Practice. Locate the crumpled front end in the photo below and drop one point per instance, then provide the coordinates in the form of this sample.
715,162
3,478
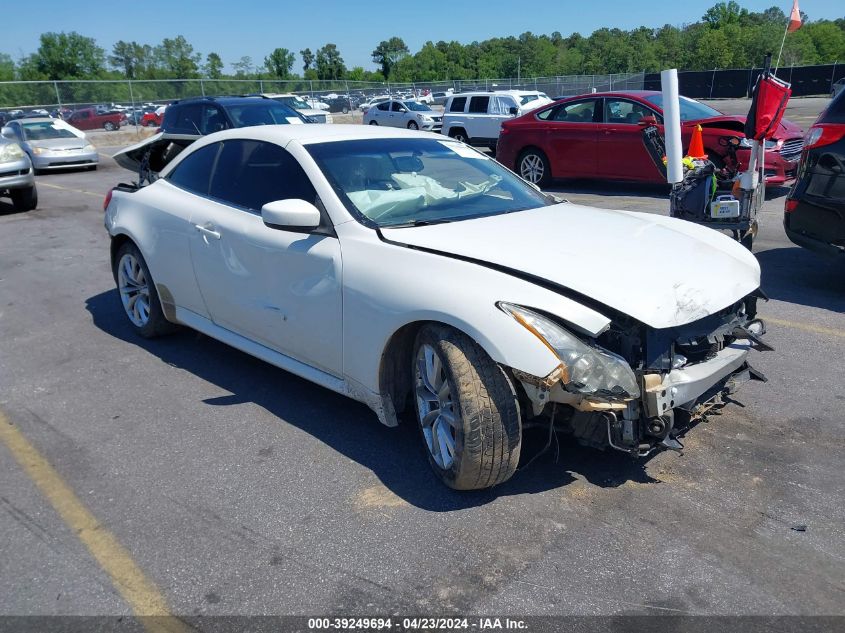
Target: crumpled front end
681,374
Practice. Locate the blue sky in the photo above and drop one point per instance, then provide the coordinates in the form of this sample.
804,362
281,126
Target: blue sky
233,28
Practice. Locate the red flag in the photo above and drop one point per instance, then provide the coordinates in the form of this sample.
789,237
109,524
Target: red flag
794,18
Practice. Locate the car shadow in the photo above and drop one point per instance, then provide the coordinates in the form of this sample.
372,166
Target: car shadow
7,208
403,468
799,276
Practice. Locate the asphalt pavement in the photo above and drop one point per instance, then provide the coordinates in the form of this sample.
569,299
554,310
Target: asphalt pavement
232,487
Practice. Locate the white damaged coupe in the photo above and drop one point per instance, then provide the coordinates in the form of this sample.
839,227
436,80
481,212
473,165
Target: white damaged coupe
415,274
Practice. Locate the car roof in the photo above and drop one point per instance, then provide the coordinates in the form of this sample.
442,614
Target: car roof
315,133
224,101
37,119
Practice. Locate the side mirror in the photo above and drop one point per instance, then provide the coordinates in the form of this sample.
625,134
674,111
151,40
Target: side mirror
7,132
648,120
293,215
513,110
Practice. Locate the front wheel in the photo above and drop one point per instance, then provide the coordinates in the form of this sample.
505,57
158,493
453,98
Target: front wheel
108,126
412,125
534,167
459,135
24,199
467,410
138,293
373,123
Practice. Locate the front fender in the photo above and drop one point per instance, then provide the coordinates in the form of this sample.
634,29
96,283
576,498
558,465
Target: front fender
387,287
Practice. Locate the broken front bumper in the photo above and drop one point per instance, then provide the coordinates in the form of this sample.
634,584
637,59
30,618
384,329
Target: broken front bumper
683,387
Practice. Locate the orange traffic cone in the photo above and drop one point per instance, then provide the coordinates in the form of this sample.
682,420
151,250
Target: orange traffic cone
696,145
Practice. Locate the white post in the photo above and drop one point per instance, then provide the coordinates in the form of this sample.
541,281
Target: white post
672,126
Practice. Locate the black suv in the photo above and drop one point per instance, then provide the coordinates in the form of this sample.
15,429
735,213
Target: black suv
187,120
206,115
815,207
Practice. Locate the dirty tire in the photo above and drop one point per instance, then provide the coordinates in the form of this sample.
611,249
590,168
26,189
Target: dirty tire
488,427
156,324
533,166
24,199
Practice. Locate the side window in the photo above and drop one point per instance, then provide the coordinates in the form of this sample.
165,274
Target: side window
397,107
213,120
577,112
187,120
621,111
194,172
478,105
84,115
458,104
502,105
384,107
249,174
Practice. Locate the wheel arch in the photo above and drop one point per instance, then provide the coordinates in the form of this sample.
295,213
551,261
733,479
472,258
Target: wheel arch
394,376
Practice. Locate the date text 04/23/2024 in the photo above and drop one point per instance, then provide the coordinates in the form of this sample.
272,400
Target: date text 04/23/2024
416,624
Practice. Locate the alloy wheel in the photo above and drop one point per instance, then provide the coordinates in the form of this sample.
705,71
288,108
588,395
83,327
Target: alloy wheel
437,409
531,168
134,290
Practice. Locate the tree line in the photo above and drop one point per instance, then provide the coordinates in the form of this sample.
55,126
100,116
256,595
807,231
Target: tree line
726,36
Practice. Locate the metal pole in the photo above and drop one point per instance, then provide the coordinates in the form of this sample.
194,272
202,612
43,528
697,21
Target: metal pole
712,81
833,75
261,86
132,99
202,87
58,96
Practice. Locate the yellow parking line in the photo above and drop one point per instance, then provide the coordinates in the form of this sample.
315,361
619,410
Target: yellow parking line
806,327
87,193
142,595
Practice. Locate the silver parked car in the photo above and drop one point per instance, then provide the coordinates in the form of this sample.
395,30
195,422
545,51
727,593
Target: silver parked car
17,180
407,114
838,86
52,143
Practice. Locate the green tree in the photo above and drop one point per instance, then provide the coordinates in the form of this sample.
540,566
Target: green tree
69,56
176,57
388,52
243,67
307,59
725,13
329,63
280,63
7,67
213,67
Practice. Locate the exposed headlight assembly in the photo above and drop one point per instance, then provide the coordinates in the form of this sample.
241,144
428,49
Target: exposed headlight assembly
587,368
10,152
89,148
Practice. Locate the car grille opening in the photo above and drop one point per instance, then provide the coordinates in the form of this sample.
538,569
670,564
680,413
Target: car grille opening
791,149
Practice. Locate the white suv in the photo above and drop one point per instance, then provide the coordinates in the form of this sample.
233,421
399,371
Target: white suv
476,117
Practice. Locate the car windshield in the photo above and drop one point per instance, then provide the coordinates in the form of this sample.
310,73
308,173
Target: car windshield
44,130
264,112
416,107
403,182
691,110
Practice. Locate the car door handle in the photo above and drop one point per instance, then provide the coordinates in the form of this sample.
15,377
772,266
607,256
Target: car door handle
208,230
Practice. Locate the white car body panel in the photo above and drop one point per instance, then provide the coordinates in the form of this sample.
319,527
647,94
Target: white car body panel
325,307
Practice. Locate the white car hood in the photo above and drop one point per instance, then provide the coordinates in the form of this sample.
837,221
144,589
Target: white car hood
661,271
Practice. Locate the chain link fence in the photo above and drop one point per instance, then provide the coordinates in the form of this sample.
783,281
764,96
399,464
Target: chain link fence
71,94
50,95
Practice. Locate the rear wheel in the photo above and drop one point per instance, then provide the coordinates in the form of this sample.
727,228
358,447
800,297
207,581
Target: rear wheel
459,134
467,410
138,293
534,167
24,199
108,126
373,123
345,110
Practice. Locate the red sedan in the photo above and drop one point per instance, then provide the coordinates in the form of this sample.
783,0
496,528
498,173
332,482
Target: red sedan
599,135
